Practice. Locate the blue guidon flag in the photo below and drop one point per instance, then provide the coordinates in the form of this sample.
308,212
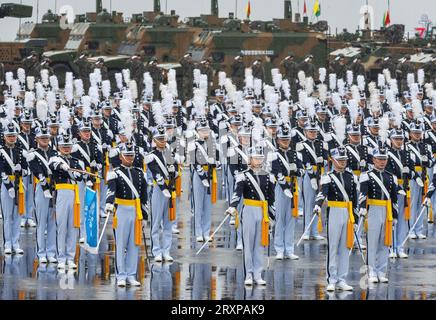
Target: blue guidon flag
91,221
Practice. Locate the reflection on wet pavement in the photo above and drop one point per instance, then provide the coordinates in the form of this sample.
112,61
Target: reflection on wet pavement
216,273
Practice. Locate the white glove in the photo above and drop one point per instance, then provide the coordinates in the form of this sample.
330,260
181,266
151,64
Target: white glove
419,182
166,193
171,169
424,158
427,202
362,163
64,167
317,210
293,167
394,222
205,183
99,166
17,168
231,211
319,160
406,170
11,192
89,184
363,212
76,175
109,208
402,192
47,194
314,184
288,193
93,163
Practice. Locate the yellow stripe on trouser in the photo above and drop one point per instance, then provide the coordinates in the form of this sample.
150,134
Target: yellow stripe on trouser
21,204
295,198
172,211
179,183
350,223
265,220
214,189
137,204
76,210
106,167
388,227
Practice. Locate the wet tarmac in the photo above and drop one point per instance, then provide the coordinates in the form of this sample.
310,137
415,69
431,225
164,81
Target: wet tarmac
215,274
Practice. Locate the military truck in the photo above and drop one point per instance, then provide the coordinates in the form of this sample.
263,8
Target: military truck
11,53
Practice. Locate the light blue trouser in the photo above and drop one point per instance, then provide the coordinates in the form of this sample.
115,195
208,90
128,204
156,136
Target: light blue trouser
161,282
160,218
251,220
431,172
285,223
45,222
103,190
201,275
11,221
415,207
309,203
402,227
126,252
300,194
230,185
202,208
28,196
377,252
82,191
239,230
65,232
337,251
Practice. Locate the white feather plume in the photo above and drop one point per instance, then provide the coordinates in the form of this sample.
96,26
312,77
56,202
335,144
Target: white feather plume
64,118
286,88
30,83
381,81
257,87
126,116
119,80
78,84
156,108
15,88
339,124
284,111
69,92
45,77
353,109
421,76
429,90
51,101
387,75
397,112
29,100
322,74
247,111
21,75
106,89
332,81
9,77
221,78
172,83
42,110
10,108
310,107
197,74
350,78
86,103
133,87
54,83
40,92
384,128
126,76
249,79
410,79
417,109
341,87
337,101
301,77
309,85
94,95
322,92
148,84
355,92
361,82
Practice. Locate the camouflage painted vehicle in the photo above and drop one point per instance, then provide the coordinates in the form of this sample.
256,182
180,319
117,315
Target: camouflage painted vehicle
99,33
272,40
373,46
11,53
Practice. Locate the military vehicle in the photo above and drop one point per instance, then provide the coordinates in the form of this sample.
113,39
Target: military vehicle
11,53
